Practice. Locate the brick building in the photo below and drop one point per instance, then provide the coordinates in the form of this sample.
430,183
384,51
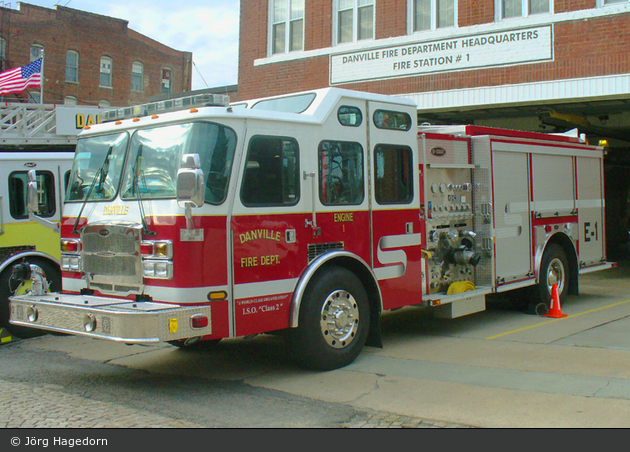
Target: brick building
542,65
89,59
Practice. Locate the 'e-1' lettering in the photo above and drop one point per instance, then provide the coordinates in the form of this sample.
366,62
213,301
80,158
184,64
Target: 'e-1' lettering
589,233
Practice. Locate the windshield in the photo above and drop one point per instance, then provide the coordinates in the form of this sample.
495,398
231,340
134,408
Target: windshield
97,167
155,155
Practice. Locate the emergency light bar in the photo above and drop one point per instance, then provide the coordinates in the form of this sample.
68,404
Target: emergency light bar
164,106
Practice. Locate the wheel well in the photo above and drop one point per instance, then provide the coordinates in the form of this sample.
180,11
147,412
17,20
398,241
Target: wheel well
371,287
568,247
33,259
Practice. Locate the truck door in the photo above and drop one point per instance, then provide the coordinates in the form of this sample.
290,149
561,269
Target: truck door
395,203
16,223
267,226
590,210
512,215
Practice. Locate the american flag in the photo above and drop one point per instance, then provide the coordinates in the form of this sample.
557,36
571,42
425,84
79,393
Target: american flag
18,79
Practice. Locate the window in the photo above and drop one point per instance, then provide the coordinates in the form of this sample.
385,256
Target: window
155,156
106,72
72,66
287,25
137,71
272,172
523,8
394,177
355,20
34,97
349,116
70,100
167,78
37,52
392,120
340,173
18,182
3,54
432,14
289,104
104,104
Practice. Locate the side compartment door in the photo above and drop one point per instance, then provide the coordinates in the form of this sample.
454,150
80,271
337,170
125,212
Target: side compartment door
267,228
590,210
513,246
395,204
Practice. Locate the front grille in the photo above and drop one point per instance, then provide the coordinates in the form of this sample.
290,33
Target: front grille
115,243
111,256
116,265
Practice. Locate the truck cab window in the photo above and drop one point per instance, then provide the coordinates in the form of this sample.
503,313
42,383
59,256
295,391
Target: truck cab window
340,173
392,120
45,194
271,172
394,177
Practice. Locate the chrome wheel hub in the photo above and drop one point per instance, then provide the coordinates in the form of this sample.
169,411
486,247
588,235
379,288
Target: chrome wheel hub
339,319
556,275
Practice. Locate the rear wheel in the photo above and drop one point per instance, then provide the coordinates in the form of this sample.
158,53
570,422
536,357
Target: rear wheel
10,286
554,269
333,322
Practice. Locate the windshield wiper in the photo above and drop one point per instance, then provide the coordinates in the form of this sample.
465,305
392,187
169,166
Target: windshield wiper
101,174
136,188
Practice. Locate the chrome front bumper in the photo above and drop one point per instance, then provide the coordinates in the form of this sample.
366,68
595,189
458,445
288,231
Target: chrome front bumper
108,318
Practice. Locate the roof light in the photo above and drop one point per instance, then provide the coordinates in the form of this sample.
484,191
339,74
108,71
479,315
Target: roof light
164,106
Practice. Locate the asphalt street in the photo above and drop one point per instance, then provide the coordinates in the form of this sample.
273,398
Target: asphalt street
501,368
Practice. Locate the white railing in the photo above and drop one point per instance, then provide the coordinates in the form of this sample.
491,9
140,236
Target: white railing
27,121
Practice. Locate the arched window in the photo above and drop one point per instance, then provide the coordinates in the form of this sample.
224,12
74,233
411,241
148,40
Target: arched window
106,72
137,71
72,66
37,52
167,80
3,54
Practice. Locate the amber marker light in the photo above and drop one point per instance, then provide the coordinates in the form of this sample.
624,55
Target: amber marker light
218,295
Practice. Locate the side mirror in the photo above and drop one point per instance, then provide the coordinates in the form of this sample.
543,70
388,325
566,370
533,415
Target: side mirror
190,186
32,198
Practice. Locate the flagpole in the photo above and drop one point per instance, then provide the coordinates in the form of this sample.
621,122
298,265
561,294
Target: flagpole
41,84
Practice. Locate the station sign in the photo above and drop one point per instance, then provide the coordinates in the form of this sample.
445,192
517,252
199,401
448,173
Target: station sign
499,48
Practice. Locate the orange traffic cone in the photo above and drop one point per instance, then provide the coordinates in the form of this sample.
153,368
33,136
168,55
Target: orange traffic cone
555,311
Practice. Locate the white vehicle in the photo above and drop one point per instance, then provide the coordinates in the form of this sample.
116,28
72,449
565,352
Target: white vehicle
40,138
310,215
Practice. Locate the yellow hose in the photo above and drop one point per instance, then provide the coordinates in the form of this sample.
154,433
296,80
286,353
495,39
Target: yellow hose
459,287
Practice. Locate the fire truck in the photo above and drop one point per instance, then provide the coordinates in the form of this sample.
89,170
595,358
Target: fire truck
40,138
308,215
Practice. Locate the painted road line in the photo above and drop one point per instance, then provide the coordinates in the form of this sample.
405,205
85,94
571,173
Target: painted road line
518,330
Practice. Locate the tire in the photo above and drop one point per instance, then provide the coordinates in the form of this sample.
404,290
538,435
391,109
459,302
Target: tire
554,268
9,286
333,322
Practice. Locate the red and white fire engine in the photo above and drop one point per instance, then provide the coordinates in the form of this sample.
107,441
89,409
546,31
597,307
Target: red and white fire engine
309,214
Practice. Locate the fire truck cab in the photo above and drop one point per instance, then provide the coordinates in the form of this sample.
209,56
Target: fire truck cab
309,214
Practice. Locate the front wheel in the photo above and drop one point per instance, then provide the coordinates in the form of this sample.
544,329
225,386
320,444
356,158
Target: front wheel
554,269
333,322
9,286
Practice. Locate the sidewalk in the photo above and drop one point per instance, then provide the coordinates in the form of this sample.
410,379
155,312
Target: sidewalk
47,406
